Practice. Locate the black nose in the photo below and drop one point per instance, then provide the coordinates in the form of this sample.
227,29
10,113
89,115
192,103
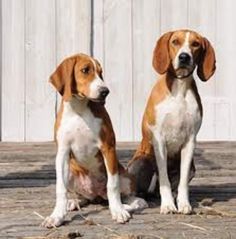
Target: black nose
104,92
184,58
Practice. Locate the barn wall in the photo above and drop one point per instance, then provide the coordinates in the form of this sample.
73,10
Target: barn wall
37,34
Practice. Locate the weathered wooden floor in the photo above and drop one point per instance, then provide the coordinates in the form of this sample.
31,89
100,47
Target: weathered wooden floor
27,185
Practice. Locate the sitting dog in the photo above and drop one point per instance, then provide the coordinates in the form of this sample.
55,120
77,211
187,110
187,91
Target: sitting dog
172,119
86,161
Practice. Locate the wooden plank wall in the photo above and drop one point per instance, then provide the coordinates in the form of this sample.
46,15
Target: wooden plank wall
38,34
125,33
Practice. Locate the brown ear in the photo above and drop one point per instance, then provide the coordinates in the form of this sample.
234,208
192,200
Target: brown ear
161,58
63,78
207,61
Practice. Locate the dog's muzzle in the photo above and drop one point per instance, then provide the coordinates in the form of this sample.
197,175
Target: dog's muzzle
103,93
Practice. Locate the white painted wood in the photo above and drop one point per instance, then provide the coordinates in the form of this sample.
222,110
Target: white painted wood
118,65
98,31
174,14
226,71
72,28
40,61
13,66
146,30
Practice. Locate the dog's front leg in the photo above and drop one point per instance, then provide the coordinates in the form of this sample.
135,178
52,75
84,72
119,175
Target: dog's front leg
167,201
118,211
183,192
62,173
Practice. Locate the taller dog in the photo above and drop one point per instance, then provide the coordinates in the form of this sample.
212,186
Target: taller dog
86,161
173,118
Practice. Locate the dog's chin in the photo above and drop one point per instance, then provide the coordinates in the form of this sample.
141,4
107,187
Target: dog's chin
183,72
98,100
82,96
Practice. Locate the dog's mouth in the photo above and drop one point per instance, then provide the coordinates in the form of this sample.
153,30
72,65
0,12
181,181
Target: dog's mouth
184,71
102,101
82,96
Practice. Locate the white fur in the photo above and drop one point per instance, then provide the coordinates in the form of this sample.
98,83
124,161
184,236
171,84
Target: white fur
186,158
96,84
134,204
184,49
178,121
118,211
94,88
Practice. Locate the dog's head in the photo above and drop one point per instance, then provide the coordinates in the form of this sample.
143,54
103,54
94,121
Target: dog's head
80,76
181,51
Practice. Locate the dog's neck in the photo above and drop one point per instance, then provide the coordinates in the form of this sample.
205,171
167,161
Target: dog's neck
179,86
77,104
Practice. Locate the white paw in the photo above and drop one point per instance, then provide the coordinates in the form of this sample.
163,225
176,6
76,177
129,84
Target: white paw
120,214
184,207
138,204
72,205
168,208
52,221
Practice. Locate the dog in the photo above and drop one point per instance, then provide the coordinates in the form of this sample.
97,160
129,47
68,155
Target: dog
86,160
172,119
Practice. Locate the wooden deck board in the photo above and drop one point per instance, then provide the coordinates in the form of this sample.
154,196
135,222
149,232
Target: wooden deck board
27,183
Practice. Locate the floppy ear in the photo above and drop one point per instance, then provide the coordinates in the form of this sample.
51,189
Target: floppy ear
207,61
63,78
161,58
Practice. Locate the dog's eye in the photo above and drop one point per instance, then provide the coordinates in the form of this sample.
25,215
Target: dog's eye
85,70
195,44
175,42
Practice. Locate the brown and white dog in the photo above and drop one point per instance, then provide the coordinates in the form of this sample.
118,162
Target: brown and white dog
173,118
86,161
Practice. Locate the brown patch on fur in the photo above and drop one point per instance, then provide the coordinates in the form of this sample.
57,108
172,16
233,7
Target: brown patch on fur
195,91
161,57
207,61
107,136
158,94
58,120
63,78
75,168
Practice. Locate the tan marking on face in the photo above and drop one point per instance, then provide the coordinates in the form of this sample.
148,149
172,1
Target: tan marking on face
168,46
75,75
87,70
185,41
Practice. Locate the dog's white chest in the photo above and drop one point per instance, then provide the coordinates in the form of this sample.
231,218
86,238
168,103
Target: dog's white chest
80,132
178,118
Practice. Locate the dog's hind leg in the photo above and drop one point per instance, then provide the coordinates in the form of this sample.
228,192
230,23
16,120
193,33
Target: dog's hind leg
144,170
